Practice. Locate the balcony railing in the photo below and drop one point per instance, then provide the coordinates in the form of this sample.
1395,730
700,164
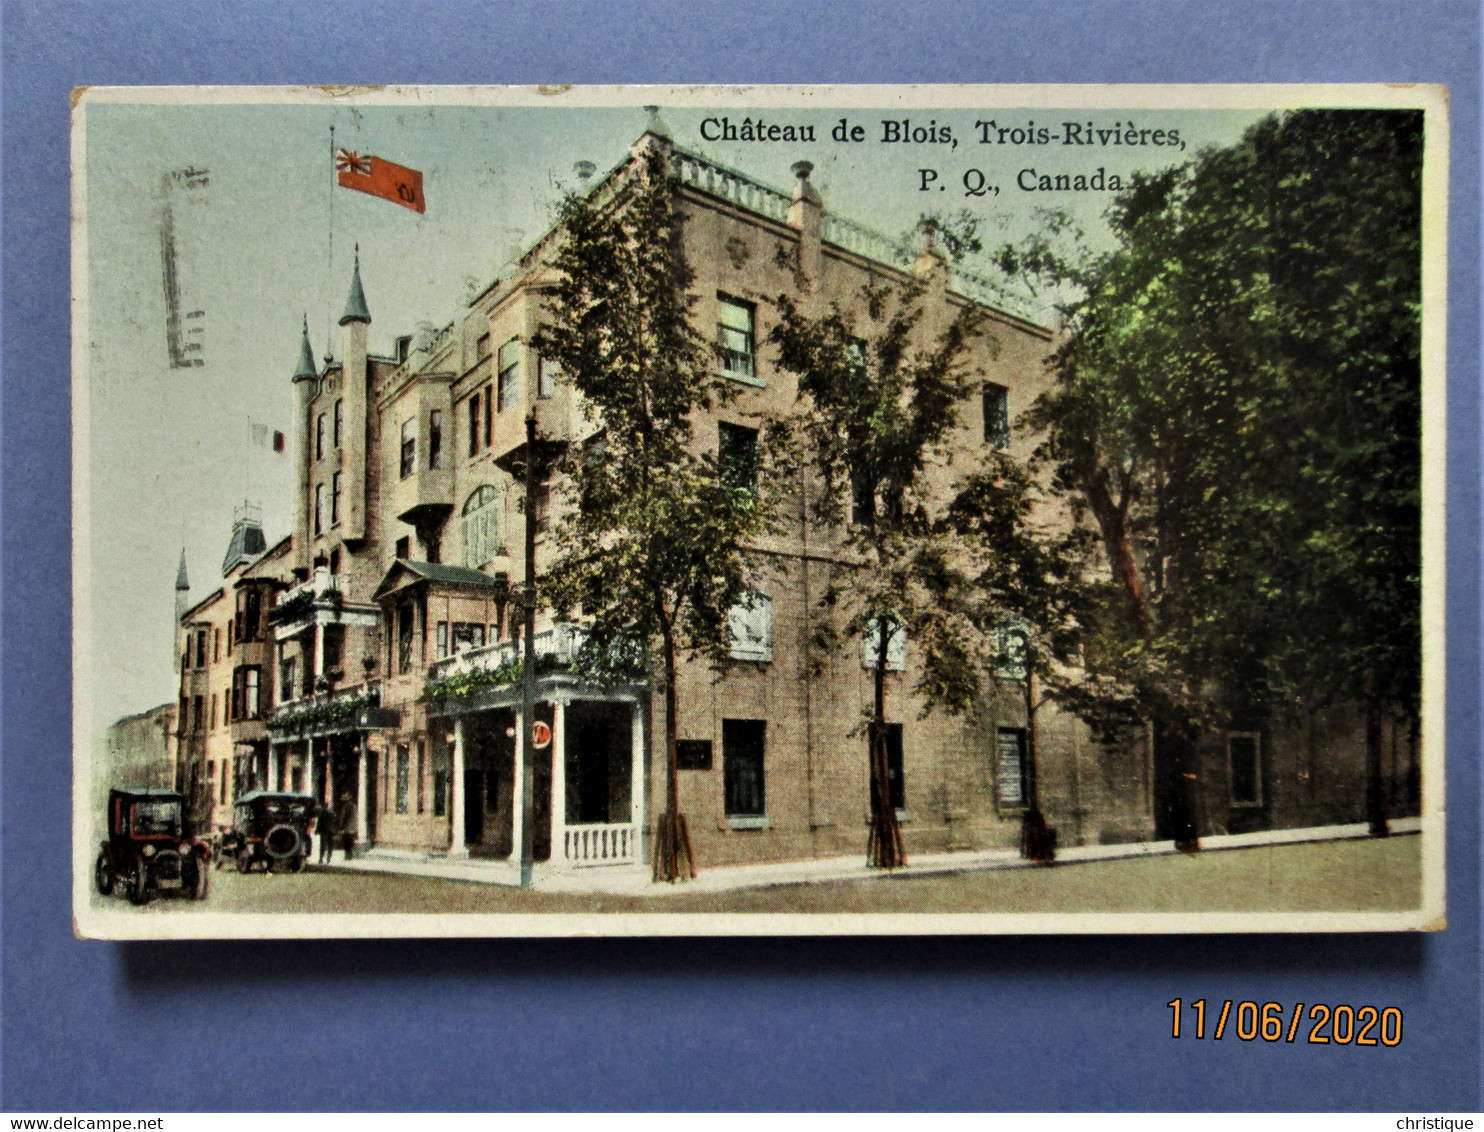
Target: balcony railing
357,707
320,583
587,845
560,642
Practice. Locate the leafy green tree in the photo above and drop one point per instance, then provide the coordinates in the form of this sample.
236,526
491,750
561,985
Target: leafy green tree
878,402
1236,410
651,547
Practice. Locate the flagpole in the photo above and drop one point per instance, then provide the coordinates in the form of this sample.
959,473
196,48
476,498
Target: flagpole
330,257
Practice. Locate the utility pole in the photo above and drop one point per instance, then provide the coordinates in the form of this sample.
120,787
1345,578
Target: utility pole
528,669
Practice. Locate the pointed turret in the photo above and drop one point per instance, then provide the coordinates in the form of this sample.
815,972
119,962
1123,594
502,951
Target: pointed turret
182,588
355,370
305,370
355,305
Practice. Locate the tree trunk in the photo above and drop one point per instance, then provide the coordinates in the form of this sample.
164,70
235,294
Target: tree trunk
884,848
673,858
1037,840
1177,779
1176,751
1375,796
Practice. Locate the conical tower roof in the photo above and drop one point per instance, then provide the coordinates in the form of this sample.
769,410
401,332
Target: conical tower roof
181,582
305,370
355,305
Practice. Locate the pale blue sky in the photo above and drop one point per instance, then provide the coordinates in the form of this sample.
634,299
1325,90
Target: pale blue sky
169,451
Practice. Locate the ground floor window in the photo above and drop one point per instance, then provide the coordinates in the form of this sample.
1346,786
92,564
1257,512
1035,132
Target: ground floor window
403,771
422,772
743,742
1012,766
1244,764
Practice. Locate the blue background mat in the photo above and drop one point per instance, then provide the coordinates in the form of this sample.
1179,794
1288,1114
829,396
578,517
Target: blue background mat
718,1024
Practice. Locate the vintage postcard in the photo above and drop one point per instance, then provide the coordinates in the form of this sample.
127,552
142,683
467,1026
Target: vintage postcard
758,510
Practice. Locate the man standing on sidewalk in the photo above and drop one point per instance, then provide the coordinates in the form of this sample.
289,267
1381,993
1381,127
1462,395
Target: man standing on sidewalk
325,827
345,822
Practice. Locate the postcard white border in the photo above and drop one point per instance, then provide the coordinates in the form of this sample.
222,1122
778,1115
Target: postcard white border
118,923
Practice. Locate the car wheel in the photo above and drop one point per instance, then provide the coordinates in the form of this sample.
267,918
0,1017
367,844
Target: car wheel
199,879
244,861
139,883
103,875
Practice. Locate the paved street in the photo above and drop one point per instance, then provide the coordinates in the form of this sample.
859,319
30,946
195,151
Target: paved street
1361,875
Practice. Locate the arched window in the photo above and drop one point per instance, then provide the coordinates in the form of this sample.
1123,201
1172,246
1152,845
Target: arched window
482,527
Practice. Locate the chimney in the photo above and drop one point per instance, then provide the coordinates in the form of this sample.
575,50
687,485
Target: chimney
656,135
931,265
806,214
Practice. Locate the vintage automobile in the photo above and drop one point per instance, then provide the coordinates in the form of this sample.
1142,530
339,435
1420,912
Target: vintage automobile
149,848
272,828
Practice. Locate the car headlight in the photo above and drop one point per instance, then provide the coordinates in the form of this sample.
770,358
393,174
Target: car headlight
149,850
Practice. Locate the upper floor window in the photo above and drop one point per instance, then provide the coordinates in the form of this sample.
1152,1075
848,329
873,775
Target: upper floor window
737,457
409,447
542,515
435,438
216,645
474,425
336,490
467,635
483,347
339,422
249,614
751,626
286,672
737,338
996,415
319,508
1011,647
508,381
482,527
404,638
548,373
489,414
246,693
319,437
404,547
896,645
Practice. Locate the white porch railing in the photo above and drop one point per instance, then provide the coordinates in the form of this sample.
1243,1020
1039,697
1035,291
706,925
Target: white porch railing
587,845
561,641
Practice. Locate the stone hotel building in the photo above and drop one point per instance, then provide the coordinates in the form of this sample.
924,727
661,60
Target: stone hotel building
315,666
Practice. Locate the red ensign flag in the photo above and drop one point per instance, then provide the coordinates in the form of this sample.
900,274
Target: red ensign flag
381,178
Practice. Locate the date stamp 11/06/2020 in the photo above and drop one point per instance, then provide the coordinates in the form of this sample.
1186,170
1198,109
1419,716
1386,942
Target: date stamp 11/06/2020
1339,1024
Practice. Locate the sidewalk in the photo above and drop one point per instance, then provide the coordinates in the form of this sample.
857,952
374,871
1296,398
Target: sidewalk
634,880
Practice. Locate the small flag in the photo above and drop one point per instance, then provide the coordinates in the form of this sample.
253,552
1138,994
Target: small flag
277,441
380,178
